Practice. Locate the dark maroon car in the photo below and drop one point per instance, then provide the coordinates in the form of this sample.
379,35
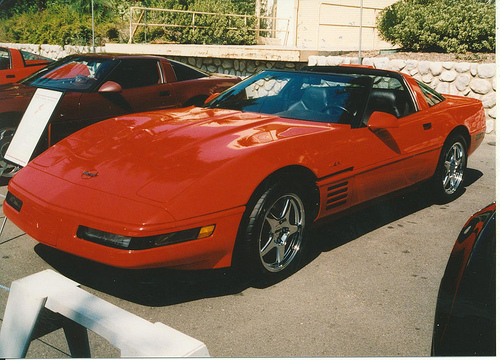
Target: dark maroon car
465,321
97,87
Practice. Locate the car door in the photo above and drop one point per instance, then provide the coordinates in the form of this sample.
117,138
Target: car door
7,74
394,157
143,88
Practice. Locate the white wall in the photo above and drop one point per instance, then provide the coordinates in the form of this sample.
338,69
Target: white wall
334,24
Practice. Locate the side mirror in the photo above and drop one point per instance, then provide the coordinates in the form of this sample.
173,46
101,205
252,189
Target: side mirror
110,87
211,97
382,120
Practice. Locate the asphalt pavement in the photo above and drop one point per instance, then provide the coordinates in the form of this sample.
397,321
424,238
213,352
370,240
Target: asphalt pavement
368,286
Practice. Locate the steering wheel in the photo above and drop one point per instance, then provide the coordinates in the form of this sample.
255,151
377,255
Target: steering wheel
80,79
343,109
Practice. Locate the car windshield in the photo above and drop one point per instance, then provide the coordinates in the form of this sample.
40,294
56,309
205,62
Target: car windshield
332,98
76,73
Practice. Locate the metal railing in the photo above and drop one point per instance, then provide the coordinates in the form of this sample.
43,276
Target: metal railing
139,17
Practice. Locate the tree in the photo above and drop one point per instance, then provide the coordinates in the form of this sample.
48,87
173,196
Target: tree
439,25
11,7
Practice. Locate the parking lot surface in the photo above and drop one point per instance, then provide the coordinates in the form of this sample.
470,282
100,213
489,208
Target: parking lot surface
368,286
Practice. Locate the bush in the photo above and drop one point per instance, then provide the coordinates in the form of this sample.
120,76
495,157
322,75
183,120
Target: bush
453,26
65,22
58,25
210,29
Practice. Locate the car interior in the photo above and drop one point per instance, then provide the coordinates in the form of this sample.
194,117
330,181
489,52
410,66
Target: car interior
391,101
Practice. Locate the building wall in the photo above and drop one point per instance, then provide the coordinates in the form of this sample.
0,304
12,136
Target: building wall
334,24
287,9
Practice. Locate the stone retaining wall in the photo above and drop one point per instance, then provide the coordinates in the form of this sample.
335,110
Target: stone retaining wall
239,67
53,51
456,78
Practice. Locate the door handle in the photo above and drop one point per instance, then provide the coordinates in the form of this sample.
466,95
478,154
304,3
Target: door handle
11,76
165,93
427,126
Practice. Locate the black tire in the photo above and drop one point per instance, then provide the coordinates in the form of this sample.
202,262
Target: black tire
272,233
448,180
7,130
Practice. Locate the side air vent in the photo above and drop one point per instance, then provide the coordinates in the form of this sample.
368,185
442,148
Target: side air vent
337,195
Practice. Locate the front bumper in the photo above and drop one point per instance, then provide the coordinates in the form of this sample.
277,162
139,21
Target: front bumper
57,227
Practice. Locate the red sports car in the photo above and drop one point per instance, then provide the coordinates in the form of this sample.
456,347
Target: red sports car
17,64
240,180
97,87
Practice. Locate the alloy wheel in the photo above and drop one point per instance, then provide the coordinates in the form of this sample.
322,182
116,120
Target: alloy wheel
282,232
454,167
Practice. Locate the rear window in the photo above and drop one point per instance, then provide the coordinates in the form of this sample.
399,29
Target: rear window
431,96
31,59
134,73
185,72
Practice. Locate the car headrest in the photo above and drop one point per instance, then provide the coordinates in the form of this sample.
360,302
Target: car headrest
315,98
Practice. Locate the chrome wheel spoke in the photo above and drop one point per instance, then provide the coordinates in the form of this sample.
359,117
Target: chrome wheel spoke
446,181
447,166
270,244
293,229
280,255
287,209
272,221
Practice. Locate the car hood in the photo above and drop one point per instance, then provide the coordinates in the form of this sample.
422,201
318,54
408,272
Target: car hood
15,91
157,155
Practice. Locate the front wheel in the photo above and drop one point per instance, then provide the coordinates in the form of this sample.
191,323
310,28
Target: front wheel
449,178
272,235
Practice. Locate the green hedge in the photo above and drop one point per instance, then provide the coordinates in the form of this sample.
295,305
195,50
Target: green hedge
453,26
58,25
62,24
210,29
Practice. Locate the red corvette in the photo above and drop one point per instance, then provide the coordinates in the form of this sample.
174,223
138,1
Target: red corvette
239,180
17,64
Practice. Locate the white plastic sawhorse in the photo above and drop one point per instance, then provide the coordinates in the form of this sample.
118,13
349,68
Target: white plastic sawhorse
131,334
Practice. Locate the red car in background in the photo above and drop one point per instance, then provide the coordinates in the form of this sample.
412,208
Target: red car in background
97,87
16,64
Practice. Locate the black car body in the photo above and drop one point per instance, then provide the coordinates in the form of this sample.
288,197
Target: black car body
465,311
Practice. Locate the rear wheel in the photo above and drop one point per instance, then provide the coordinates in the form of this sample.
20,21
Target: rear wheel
449,178
272,232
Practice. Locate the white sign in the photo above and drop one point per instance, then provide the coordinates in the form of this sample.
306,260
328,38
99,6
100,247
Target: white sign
32,125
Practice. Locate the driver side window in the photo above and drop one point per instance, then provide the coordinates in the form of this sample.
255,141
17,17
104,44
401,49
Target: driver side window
135,73
4,59
390,96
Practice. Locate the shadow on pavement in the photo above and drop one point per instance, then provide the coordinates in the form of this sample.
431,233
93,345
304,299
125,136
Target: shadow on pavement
162,287
151,287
